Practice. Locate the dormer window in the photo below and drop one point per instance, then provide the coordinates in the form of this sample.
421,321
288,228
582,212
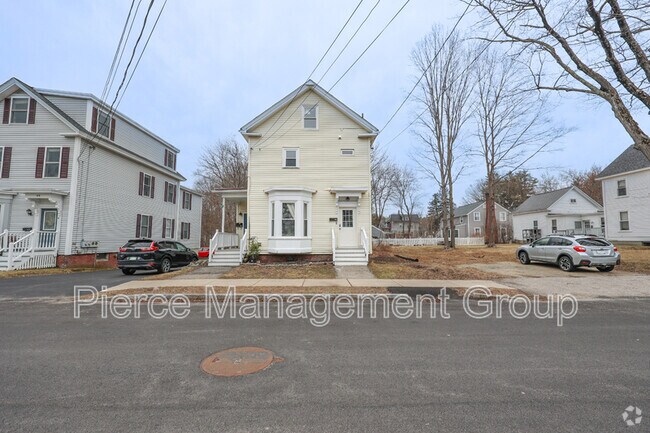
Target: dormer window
103,124
19,108
310,116
170,159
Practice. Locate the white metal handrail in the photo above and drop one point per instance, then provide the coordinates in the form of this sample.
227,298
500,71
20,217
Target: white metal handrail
243,246
333,246
20,248
364,242
7,237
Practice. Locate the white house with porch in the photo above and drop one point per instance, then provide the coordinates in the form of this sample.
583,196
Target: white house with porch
76,183
308,194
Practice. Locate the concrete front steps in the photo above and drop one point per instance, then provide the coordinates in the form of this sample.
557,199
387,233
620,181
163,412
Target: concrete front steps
350,257
225,258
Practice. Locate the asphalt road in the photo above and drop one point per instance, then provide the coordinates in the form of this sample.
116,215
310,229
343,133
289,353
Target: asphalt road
61,374
62,284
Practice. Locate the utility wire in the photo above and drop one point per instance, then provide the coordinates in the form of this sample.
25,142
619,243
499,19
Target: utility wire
337,81
316,67
433,59
141,53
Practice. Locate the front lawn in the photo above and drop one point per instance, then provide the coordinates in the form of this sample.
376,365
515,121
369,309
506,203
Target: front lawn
635,259
277,271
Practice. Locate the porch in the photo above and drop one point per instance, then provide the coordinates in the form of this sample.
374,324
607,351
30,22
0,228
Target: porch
229,248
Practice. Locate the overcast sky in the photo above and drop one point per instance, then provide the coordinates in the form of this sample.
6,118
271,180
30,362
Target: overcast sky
211,66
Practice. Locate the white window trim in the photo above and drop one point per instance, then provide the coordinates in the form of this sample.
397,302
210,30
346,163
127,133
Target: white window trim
45,162
624,195
149,228
173,159
304,110
2,156
170,187
184,226
11,110
189,201
622,220
347,150
477,216
168,227
503,216
144,176
108,135
284,157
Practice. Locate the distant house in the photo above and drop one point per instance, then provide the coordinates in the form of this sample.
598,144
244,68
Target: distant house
470,221
76,183
398,225
626,197
565,211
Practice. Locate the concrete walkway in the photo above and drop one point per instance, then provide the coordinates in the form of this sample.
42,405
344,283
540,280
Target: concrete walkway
346,282
354,272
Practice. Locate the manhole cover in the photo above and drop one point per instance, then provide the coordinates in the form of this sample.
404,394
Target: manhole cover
238,361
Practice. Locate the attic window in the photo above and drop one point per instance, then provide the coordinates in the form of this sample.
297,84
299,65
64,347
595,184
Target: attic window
573,200
310,116
19,107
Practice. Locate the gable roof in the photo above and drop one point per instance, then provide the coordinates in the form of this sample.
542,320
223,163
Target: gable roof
397,218
631,159
541,202
302,89
466,209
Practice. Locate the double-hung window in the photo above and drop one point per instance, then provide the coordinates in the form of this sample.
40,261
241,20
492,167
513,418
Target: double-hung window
305,222
185,230
144,226
103,124
52,164
288,219
170,192
310,116
477,216
168,228
621,189
187,200
290,158
503,217
19,109
146,185
624,219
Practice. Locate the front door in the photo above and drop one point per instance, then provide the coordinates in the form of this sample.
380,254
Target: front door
348,227
48,226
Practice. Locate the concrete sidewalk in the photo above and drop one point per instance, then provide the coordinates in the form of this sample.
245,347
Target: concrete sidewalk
375,282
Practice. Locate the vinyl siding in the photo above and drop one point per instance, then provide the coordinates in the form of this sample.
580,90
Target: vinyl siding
321,167
190,216
76,108
109,204
636,203
582,206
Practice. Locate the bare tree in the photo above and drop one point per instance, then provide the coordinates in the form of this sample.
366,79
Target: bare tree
223,165
512,126
445,92
407,195
597,48
382,183
586,181
548,182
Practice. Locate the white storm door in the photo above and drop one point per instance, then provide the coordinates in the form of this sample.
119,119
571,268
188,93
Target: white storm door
348,227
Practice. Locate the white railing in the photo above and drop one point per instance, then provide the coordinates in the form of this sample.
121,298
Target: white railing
7,237
243,246
222,241
21,248
413,242
28,250
365,242
333,246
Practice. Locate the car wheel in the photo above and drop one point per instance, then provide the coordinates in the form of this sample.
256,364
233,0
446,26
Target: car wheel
523,258
605,268
566,264
165,265
128,271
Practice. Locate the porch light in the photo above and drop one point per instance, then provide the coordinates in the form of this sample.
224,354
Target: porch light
29,212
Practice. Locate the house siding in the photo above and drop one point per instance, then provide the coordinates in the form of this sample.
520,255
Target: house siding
636,203
321,167
190,216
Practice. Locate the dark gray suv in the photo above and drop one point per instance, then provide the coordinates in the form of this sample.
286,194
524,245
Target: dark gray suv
570,252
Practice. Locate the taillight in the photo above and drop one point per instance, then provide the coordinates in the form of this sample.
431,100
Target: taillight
580,249
122,249
615,249
151,248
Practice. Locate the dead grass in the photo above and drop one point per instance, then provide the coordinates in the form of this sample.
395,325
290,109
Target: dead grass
635,259
48,271
200,290
177,272
435,262
282,271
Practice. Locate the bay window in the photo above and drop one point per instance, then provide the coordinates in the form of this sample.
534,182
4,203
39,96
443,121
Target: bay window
289,220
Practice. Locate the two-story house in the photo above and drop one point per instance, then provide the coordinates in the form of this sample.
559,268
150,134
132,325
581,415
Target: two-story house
626,197
469,221
308,194
401,225
76,183
563,211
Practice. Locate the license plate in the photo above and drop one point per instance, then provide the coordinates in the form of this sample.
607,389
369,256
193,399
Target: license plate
133,258
601,252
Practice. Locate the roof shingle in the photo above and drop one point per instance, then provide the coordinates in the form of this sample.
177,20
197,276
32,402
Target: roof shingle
630,160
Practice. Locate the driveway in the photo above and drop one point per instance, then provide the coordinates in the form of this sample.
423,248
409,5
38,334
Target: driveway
584,283
363,375
62,284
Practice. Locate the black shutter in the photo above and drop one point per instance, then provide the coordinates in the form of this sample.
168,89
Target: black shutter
138,221
173,227
5,115
40,158
150,225
65,161
153,185
166,189
93,127
32,112
112,129
141,186
6,162
164,227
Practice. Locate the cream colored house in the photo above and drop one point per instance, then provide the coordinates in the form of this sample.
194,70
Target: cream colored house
308,195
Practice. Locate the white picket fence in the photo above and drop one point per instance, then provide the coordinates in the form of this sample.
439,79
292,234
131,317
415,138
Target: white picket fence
416,242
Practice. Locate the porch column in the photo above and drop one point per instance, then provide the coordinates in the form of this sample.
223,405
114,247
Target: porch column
223,214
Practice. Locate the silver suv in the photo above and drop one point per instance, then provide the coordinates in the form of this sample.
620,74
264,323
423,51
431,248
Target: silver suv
569,252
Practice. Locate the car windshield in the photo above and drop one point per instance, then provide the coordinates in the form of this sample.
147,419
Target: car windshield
138,244
593,242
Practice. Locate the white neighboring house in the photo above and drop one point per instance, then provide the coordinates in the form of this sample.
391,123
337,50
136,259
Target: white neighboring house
564,211
308,195
75,184
626,197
